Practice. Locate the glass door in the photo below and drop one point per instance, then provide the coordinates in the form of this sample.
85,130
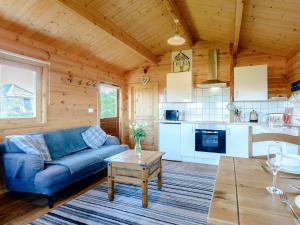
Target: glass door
109,109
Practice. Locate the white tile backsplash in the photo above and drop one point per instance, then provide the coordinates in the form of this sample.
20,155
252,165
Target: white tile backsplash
211,105
263,108
208,104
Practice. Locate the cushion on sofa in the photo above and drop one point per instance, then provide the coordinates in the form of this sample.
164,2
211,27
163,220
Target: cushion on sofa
107,151
64,142
60,175
32,144
88,157
112,140
94,137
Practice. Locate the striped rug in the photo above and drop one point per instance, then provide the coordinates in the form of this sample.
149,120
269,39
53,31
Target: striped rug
184,199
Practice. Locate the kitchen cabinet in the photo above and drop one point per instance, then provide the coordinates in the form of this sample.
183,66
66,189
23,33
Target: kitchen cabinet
179,87
237,140
170,140
187,140
251,83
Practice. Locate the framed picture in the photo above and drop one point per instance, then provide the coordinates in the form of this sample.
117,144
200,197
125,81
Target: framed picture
182,61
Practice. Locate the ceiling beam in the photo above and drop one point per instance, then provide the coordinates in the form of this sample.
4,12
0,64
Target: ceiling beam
102,22
174,12
237,24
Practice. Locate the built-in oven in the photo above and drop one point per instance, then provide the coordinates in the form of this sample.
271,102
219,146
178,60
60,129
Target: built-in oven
210,140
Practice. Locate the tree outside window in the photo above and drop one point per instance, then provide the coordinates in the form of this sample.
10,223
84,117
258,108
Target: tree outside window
108,101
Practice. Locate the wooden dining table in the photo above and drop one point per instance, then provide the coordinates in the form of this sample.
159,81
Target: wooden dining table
240,196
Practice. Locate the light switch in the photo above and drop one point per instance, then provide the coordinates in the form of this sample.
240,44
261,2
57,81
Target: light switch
90,110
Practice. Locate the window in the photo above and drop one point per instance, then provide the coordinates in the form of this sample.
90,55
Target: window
108,101
17,91
22,91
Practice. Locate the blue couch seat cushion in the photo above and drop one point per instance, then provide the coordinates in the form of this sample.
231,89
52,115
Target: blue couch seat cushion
64,142
80,160
107,151
61,175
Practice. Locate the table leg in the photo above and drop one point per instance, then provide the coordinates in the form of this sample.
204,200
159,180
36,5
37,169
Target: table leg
159,176
145,194
110,183
145,188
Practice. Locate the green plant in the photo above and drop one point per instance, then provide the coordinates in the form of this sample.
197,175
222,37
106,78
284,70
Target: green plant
138,131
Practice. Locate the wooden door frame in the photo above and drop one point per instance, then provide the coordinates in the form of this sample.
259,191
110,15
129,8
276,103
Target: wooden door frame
131,104
118,107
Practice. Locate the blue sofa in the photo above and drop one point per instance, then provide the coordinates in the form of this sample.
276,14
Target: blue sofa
72,161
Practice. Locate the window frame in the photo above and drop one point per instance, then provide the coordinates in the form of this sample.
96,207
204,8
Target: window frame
117,88
41,95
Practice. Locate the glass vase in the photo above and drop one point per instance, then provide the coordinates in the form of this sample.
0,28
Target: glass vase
138,147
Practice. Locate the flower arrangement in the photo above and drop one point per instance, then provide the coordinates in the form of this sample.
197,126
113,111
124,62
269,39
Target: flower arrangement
138,131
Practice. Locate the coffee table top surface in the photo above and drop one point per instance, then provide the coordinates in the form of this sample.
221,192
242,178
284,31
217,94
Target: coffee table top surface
129,157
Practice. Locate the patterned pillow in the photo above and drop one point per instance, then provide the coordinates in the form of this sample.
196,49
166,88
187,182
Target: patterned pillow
94,137
32,144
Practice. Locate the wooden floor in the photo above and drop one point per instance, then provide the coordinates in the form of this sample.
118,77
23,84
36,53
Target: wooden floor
16,208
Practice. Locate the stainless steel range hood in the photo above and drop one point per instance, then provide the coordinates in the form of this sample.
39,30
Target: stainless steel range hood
213,80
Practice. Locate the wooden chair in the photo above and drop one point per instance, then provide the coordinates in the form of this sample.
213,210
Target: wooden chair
292,139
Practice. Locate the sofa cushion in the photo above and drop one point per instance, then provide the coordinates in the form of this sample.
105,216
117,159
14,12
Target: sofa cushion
88,157
64,142
94,137
32,144
79,160
112,140
107,151
60,176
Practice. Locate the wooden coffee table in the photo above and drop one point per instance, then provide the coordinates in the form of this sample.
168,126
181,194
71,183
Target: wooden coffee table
126,167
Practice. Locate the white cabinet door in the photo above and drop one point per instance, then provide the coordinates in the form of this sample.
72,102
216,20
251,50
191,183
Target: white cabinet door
187,140
237,140
170,140
251,83
179,87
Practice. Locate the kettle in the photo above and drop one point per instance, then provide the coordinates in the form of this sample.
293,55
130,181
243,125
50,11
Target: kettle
253,117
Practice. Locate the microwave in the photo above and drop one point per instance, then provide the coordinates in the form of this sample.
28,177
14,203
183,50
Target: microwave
174,115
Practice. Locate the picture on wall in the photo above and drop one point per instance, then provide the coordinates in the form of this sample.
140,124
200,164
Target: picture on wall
181,61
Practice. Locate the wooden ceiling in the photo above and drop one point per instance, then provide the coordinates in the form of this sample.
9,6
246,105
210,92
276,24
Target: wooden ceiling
271,26
126,33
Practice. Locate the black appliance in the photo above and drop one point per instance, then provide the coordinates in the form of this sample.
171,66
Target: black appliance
172,115
210,140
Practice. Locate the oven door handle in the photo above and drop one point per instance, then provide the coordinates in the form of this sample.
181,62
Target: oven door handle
210,132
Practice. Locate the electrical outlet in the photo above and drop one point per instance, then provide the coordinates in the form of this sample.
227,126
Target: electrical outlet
90,110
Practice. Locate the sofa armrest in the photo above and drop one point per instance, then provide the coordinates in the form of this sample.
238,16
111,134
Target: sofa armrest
22,166
112,140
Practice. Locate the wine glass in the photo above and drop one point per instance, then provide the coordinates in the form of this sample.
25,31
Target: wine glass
274,162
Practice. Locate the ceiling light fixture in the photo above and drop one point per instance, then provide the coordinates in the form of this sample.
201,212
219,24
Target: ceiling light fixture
176,39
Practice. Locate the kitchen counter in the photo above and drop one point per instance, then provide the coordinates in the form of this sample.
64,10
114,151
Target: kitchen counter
286,128
232,123
177,138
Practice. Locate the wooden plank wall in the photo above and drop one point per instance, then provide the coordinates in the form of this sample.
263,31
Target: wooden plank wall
157,73
293,69
277,69
68,104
